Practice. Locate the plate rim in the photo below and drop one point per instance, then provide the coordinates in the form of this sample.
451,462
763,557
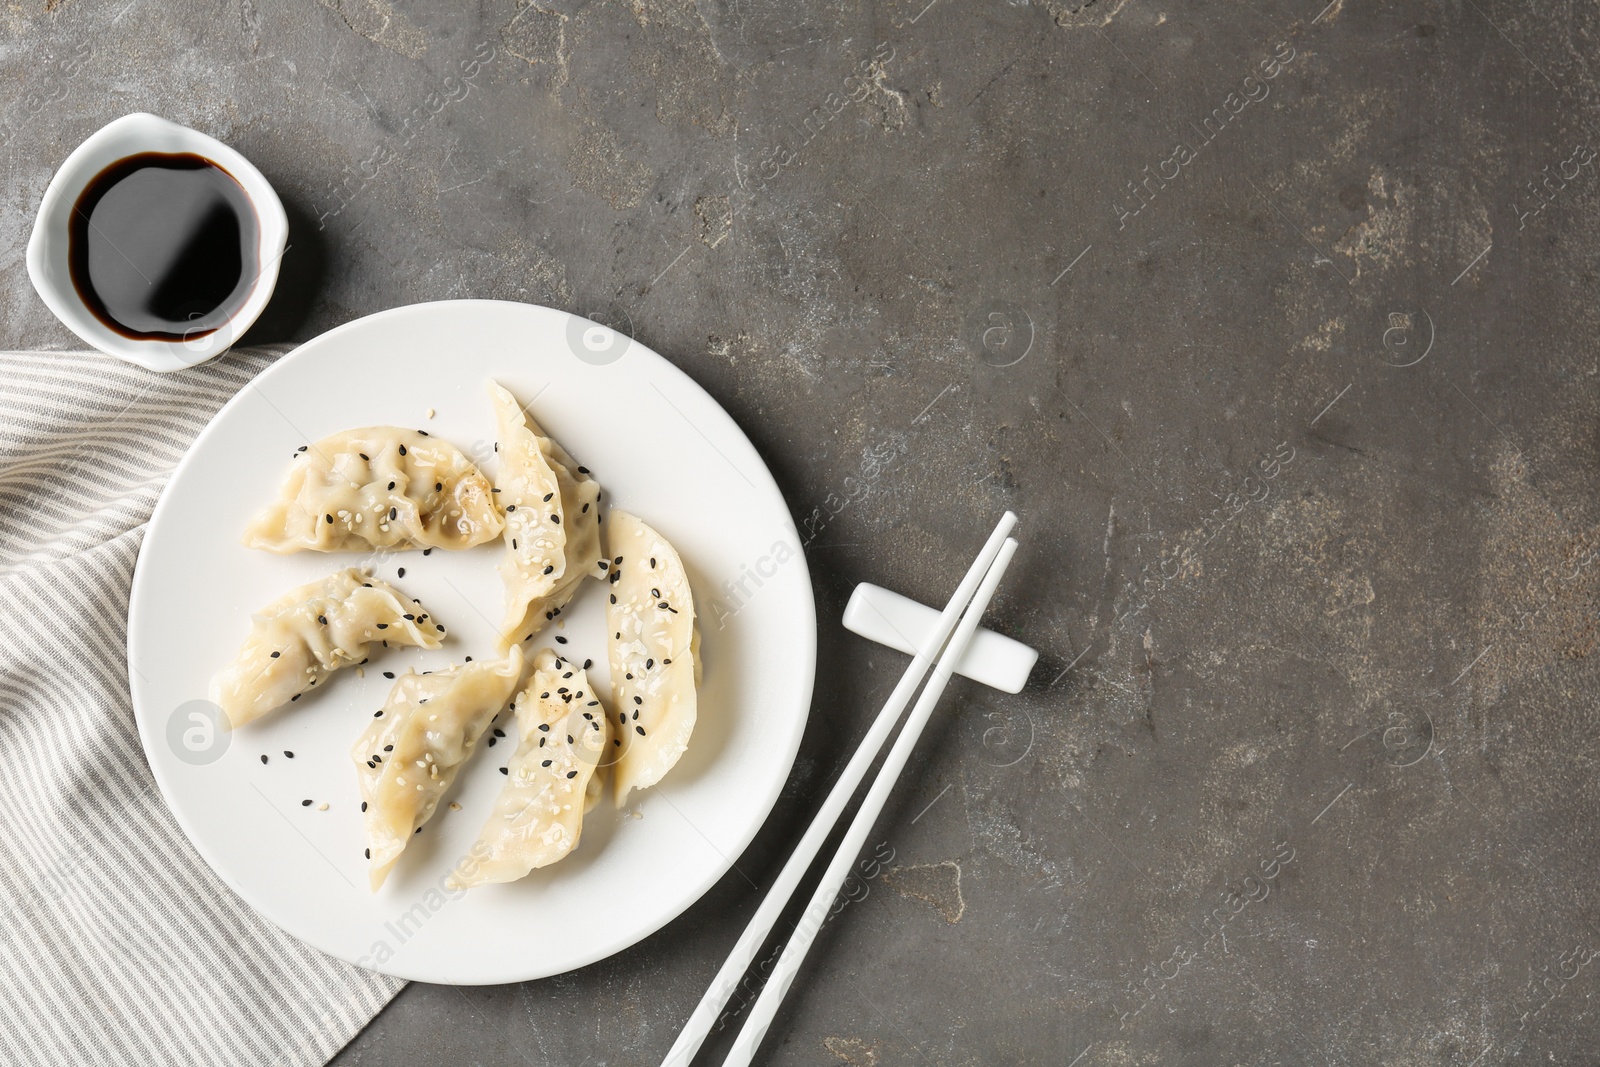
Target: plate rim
766,485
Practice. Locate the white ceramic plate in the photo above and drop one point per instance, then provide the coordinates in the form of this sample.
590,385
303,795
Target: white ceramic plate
661,448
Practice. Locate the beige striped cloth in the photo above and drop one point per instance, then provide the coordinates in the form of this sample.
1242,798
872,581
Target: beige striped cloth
117,944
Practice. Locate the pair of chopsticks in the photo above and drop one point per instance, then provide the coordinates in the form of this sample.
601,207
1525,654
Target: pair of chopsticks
948,642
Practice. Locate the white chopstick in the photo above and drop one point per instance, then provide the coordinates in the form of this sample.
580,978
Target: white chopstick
794,953
744,951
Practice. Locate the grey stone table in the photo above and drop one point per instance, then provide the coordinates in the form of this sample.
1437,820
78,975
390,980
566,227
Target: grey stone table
1276,323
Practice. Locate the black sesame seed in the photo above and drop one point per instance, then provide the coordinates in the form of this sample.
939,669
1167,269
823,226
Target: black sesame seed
560,640
638,700
402,572
640,729
367,852
427,552
583,470
418,830
305,803
504,771
613,598
364,456
263,757
547,497
378,714
586,509
652,563
302,448
363,805
556,519
588,663
549,569
323,619
402,450
649,663
544,726
388,748
391,485
438,487
572,774
409,618
491,742
388,674
425,433
394,513
275,655
545,763
329,518
383,626
294,698
511,507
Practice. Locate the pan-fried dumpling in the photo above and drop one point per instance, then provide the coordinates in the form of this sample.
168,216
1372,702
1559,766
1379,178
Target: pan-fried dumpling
308,633
409,754
378,487
552,522
555,777
654,653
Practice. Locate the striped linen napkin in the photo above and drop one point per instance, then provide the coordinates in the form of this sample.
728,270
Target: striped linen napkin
118,945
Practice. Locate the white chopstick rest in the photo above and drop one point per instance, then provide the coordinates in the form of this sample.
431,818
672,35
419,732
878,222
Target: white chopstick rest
755,933
794,953
901,623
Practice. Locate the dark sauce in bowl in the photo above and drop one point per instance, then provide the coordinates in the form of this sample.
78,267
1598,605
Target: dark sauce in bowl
163,246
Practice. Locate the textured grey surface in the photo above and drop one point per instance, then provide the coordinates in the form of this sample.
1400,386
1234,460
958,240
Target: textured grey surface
1304,444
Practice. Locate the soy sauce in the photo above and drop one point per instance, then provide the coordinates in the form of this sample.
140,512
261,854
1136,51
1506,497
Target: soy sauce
163,246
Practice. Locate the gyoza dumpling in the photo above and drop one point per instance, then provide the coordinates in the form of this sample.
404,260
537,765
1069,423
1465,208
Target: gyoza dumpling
552,522
553,779
411,750
654,649
378,487
308,633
